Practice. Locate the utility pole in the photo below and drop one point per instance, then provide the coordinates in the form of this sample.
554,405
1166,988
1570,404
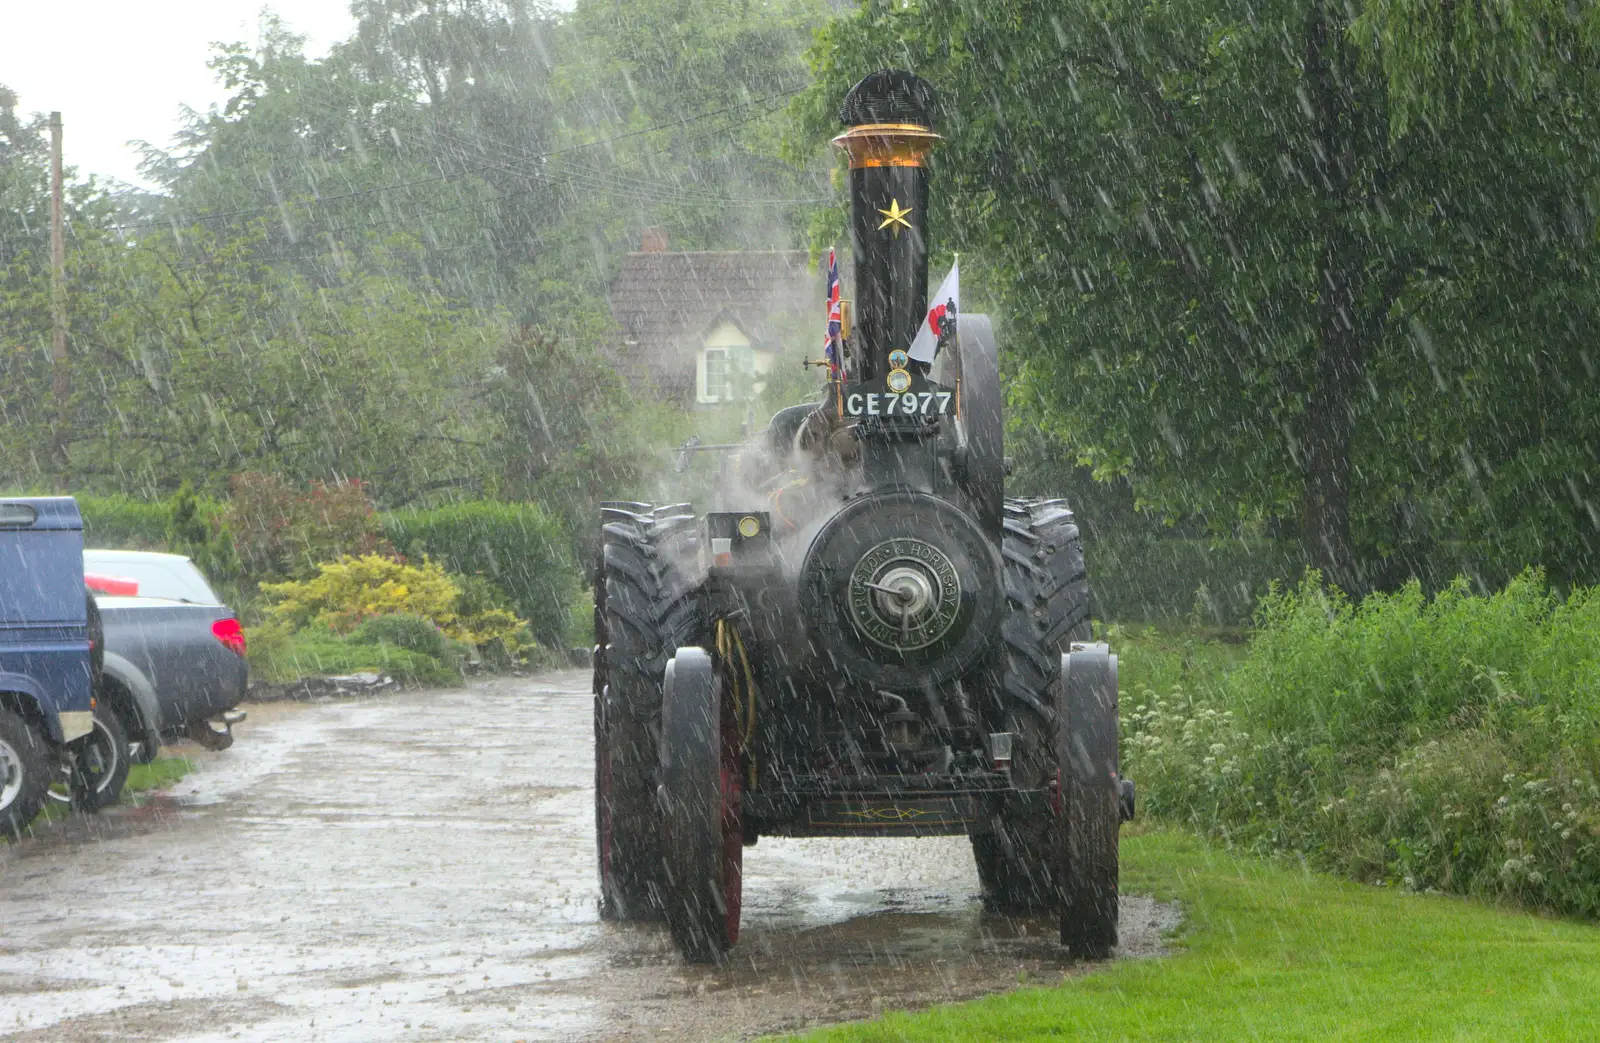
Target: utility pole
61,377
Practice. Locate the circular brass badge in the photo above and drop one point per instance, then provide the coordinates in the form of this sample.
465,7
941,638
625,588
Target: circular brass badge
904,594
899,380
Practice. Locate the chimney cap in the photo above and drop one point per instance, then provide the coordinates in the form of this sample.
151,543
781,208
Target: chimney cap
889,96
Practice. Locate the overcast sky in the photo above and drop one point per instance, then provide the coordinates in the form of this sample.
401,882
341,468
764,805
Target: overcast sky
118,70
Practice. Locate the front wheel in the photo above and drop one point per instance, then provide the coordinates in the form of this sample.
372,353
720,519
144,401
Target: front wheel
24,773
1047,609
1090,806
702,817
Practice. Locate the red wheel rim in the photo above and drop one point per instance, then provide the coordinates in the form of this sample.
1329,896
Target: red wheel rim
732,821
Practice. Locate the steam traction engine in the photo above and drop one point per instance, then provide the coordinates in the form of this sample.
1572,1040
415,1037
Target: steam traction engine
877,641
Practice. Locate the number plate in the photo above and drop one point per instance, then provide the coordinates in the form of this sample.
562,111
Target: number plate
873,398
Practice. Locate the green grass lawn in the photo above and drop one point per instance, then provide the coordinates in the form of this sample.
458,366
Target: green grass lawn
1161,655
1275,953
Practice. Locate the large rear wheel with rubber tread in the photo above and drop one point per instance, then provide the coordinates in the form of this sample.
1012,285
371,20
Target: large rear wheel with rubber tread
981,462
702,822
1091,801
1047,608
645,607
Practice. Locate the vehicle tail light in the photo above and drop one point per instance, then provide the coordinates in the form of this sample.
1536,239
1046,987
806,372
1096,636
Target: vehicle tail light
230,633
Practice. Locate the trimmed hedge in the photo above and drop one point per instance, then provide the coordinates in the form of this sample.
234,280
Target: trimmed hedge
123,523
181,524
518,547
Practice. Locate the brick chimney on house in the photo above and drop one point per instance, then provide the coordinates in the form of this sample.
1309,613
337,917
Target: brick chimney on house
653,240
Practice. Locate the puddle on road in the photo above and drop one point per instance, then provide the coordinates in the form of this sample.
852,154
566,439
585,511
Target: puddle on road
421,867
820,943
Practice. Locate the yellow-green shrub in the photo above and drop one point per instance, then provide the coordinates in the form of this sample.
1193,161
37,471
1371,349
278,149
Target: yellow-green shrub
348,592
345,593
491,625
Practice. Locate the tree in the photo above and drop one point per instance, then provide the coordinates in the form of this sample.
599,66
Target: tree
525,148
709,74
326,287
1284,263
342,152
198,361
568,433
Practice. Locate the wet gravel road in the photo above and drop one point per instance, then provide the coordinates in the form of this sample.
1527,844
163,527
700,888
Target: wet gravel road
420,866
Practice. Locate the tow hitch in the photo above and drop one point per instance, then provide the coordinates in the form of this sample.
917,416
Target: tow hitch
217,733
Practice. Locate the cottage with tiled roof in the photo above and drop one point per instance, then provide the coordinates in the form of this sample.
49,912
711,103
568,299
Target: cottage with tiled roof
701,327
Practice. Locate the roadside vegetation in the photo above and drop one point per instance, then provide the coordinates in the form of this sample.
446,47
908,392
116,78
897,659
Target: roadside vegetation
328,584
415,622
1271,950
1448,743
1321,794
158,774
282,656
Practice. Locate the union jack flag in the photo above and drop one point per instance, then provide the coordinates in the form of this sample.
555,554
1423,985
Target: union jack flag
830,346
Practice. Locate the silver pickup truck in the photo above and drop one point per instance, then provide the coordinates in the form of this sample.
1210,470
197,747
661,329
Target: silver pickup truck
174,654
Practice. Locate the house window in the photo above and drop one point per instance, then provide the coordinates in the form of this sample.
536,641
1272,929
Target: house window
716,379
725,365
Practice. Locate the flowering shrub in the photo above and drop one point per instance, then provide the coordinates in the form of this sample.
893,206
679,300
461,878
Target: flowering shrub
280,530
1449,745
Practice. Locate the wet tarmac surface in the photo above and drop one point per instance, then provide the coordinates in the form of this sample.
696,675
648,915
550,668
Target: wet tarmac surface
420,866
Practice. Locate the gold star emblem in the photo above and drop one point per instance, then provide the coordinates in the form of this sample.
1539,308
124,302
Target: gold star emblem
894,217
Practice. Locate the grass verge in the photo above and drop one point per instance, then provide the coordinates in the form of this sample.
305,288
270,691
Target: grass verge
316,653
1271,952
1161,656
163,771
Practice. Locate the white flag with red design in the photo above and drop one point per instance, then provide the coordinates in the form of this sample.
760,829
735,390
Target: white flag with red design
942,307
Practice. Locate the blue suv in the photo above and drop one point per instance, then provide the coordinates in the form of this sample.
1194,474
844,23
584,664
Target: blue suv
48,653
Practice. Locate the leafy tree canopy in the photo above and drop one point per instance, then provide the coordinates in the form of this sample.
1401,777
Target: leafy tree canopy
194,358
1325,267
367,265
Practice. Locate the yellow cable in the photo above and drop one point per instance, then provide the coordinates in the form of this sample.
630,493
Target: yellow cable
729,640
750,694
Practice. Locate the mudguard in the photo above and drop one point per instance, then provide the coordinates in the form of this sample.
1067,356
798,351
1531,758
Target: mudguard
34,702
145,707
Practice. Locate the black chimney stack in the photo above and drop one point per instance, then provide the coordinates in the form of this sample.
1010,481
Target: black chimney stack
889,114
